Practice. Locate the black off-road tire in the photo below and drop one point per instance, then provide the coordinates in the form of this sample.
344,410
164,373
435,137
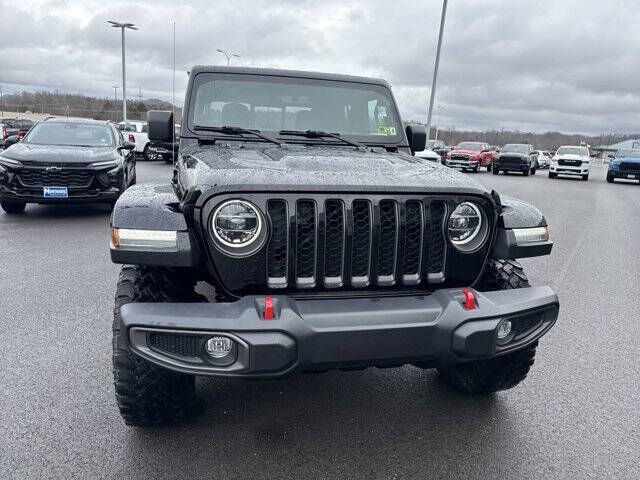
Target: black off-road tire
496,171
147,394
499,373
11,206
552,175
610,178
585,177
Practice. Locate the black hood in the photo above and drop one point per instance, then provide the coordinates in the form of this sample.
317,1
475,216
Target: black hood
58,153
317,167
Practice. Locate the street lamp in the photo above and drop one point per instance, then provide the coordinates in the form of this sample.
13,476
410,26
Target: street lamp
122,27
435,70
115,92
227,55
439,109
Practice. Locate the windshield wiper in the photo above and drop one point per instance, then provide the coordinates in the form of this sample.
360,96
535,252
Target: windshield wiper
236,130
321,134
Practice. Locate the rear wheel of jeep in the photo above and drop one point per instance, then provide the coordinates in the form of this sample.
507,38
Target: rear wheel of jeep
147,394
506,371
11,206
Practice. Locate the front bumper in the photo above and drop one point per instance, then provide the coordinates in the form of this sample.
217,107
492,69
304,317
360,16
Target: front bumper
569,169
627,174
103,187
322,334
462,163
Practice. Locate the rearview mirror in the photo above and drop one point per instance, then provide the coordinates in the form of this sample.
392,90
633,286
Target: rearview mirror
160,124
417,137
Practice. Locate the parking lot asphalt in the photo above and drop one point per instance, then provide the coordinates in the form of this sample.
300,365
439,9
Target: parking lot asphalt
577,415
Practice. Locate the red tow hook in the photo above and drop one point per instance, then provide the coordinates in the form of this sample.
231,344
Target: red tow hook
469,299
269,314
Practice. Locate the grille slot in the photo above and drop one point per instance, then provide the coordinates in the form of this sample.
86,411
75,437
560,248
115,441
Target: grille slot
306,239
334,243
187,346
277,270
361,248
413,242
437,242
387,242
68,178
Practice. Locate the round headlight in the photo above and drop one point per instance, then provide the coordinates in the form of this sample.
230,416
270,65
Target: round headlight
467,227
238,228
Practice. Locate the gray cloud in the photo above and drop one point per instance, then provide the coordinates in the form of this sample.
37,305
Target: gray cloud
568,66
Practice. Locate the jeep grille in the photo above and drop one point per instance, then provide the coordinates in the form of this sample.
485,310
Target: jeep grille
352,242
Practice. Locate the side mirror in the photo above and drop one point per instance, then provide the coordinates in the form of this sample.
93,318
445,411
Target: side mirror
417,137
128,146
160,124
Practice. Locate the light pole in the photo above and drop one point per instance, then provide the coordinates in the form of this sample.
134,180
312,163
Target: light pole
1,102
227,55
115,92
439,109
122,27
435,70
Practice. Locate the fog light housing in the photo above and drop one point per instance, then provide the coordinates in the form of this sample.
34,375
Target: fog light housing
505,332
219,347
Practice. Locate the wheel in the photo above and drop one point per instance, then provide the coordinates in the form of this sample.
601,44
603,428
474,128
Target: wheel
147,394
147,155
526,172
533,171
609,178
495,171
476,169
552,175
585,177
500,373
11,206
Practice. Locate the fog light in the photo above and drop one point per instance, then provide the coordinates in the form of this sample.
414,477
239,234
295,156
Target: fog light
505,332
219,347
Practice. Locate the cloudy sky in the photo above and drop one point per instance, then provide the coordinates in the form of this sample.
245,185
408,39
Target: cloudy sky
568,65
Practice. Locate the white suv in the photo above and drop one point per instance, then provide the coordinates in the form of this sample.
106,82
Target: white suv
571,160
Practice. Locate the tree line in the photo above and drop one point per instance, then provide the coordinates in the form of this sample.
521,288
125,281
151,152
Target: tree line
78,105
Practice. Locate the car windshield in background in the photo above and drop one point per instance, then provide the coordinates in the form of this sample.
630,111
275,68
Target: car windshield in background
469,146
127,127
573,151
515,148
271,104
78,134
628,153
431,144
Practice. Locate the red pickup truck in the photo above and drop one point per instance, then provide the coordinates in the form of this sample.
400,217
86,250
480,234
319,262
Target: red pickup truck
471,156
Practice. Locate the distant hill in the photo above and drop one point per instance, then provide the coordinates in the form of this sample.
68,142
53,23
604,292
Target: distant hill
77,105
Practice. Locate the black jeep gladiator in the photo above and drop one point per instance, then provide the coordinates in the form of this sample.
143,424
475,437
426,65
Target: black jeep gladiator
296,196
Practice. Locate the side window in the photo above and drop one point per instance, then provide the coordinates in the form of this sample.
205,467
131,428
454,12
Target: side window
120,137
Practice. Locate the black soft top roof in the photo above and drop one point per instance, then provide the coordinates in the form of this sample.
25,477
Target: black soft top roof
287,73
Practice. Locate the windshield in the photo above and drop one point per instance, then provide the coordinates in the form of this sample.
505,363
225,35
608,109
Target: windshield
271,104
127,127
80,134
431,144
515,148
573,151
628,153
469,146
